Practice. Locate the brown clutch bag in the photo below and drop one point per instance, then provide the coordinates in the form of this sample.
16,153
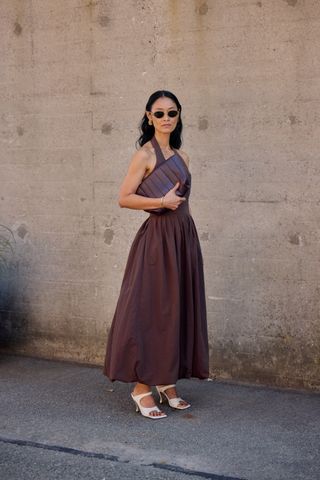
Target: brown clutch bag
163,178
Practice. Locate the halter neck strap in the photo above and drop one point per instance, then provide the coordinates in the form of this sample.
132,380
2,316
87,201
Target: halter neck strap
160,157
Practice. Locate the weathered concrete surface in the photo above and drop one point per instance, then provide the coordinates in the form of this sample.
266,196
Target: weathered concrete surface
60,420
75,77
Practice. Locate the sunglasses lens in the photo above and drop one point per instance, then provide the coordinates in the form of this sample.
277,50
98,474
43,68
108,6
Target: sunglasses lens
158,114
173,113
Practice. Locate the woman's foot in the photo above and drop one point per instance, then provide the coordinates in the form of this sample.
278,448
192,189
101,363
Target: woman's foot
171,392
147,401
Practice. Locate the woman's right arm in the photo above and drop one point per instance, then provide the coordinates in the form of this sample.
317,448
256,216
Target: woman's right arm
136,171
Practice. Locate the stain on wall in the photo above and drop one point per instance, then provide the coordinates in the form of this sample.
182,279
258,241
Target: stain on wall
17,28
104,20
22,231
202,8
106,128
203,123
108,236
291,3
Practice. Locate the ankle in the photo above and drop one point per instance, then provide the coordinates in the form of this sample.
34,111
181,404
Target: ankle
141,388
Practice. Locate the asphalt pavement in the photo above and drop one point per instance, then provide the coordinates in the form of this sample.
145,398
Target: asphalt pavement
61,420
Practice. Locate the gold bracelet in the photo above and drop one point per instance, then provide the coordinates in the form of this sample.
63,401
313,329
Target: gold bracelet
161,201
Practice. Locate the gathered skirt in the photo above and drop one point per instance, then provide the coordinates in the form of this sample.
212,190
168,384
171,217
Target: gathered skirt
159,329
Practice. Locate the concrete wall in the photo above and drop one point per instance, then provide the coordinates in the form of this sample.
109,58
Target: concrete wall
75,76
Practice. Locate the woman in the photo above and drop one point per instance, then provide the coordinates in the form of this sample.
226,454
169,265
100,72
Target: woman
159,330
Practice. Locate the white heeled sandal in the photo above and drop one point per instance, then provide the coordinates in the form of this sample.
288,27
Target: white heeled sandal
145,411
173,402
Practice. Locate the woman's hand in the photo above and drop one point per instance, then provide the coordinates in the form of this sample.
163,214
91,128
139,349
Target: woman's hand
171,200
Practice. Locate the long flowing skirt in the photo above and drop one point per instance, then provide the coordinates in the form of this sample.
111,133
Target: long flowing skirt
159,330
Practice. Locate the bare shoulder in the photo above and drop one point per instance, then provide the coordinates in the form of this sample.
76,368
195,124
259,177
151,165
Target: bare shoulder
142,160
148,149
142,155
185,157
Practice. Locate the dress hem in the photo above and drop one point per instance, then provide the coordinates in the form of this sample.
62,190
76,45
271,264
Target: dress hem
136,379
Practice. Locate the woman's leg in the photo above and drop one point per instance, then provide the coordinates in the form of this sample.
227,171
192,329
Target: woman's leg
147,401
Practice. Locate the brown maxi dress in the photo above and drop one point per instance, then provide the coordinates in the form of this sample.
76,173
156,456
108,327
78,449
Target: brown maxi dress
159,329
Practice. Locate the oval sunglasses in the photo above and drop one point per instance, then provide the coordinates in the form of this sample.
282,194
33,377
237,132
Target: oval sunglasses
171,113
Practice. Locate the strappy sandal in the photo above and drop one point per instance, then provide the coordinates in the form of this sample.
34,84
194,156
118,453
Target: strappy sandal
173,402
145,411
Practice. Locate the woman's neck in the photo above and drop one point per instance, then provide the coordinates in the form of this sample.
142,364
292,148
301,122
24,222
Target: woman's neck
163,139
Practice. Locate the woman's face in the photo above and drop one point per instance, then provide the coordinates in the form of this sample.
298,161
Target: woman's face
165,124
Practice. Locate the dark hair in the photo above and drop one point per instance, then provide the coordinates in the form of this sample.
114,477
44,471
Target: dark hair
147,131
